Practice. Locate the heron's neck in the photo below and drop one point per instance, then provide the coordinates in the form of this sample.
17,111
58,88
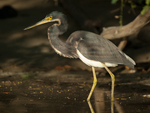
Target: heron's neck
60,47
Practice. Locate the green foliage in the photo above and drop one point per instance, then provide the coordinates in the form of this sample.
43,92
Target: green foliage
113,1
145,8
121,11
147,2
121,14
133,5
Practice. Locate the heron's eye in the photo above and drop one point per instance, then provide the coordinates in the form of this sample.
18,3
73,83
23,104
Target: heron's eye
49,18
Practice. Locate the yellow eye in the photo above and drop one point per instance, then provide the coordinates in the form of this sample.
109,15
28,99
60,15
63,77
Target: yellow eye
49,18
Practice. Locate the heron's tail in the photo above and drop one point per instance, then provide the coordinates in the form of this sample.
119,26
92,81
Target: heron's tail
129,62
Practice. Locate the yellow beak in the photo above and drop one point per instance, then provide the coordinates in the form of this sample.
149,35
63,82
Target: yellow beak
39,23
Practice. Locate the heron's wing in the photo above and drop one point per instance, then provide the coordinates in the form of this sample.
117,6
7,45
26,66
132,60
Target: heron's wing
94,47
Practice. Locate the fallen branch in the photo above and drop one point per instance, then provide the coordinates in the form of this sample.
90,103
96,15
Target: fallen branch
129,29
122,44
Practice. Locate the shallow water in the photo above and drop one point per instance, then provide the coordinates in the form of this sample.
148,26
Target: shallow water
41,94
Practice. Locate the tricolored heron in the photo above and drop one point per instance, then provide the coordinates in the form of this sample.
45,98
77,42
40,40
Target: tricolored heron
90,48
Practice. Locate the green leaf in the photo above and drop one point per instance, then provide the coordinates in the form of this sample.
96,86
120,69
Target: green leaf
113,1
147,2
145,8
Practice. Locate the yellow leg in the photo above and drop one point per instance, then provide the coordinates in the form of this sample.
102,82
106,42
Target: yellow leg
113,82
94,84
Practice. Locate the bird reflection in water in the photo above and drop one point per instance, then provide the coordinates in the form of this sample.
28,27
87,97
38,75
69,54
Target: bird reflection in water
90,48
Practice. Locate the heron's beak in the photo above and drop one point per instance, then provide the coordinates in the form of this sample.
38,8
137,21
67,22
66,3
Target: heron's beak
39,23
45,20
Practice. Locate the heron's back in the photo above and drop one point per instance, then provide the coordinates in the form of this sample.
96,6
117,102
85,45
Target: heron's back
95,47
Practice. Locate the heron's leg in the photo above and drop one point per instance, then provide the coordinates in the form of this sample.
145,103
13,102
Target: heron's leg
113,81
94,84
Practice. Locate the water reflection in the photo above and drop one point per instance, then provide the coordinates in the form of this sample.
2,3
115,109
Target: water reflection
90,106
100,102
99,99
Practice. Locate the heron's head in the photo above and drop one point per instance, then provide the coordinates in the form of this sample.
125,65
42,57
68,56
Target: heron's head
55,16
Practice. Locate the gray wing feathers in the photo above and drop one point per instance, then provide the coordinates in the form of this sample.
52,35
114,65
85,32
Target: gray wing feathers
95,47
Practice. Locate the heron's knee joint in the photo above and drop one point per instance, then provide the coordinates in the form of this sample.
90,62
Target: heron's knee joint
88,99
